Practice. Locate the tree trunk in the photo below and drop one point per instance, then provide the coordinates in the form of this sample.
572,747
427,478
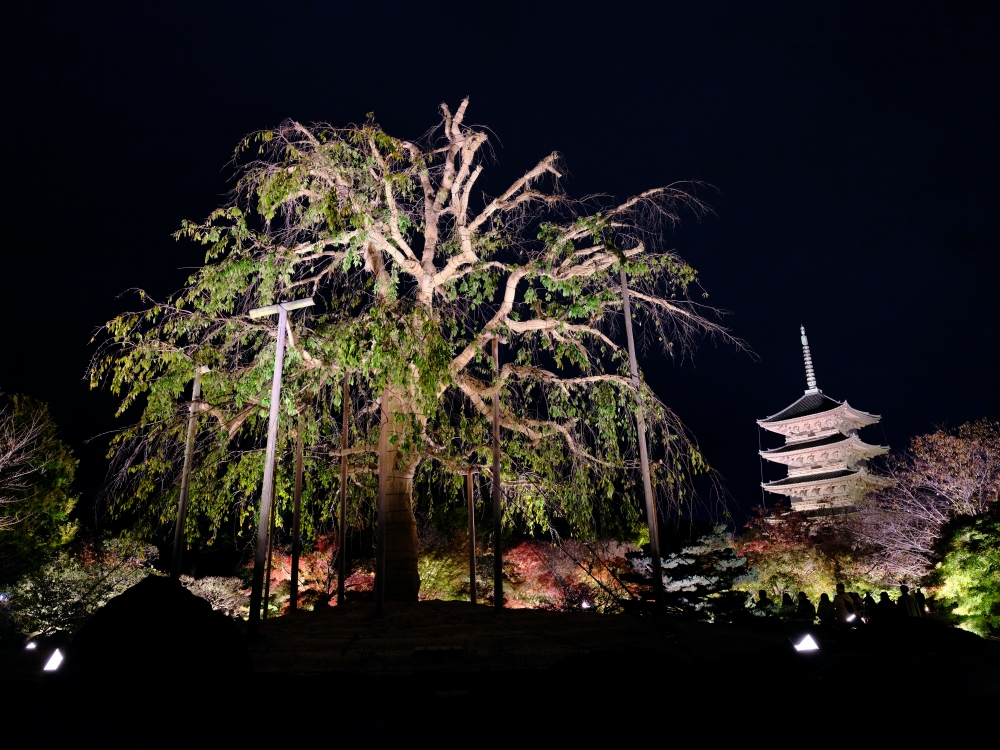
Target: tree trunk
396,470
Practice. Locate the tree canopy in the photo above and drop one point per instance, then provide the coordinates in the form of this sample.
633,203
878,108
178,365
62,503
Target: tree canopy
943,475
414,272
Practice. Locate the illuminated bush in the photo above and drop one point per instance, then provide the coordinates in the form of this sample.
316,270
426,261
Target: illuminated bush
229,595
61,595
700,574
790,553
969,573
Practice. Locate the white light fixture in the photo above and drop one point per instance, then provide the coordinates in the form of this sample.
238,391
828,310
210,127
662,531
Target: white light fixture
31,646
806,644
850,618
55,660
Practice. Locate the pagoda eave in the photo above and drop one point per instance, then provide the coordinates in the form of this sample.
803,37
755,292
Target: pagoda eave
846,450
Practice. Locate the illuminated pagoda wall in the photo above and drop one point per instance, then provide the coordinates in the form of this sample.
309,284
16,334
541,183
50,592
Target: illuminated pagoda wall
827,461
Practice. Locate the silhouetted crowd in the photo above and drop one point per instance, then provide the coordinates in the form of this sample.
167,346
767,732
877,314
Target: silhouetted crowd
847,609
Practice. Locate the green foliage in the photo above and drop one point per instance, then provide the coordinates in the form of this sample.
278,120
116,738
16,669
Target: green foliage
36,496
63,593
443,574
969,573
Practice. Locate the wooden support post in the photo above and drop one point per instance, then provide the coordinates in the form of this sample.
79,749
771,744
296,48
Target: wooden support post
267,491
497,492
293,594
178,551
640,423
342,536
383,512
472,534
270,548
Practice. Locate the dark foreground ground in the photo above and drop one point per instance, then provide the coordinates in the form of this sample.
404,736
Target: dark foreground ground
162,675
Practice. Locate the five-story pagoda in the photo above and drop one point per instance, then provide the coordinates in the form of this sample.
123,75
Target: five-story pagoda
827,461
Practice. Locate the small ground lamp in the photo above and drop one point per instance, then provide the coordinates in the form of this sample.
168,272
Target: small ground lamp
807,644
54,661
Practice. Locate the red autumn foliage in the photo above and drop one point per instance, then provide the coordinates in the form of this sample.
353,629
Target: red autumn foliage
571,575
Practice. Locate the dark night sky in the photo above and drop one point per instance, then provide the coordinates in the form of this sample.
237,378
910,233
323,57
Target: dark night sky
854,147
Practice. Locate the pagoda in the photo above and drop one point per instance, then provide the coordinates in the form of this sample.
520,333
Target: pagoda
827,461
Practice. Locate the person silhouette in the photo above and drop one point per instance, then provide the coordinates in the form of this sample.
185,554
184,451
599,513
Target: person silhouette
906,605
886,609
870,606
859,606
805,610
921,602
826,612
764,606
787,605
844,605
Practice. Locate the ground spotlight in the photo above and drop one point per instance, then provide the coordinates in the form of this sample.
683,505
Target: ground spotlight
54,661
807,644
31,646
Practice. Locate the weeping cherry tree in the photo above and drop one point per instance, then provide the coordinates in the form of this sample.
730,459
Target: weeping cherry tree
415,272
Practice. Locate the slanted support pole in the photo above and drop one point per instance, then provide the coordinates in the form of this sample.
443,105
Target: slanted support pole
342,536
497,492
382,511
293,594
267,490
640,425
472,534
182,505
267,572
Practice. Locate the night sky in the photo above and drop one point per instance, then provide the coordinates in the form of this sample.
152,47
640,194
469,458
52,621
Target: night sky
853,151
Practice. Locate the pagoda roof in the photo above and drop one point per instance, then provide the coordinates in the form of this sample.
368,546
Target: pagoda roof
806,445
811,403
807,478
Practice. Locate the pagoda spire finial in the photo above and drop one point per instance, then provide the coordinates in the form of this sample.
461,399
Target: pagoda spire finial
810,375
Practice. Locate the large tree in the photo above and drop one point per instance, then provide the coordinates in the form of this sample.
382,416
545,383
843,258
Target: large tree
414,274
941,476
36,497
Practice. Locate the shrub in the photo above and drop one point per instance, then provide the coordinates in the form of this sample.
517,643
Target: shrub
226,594
969,573
62,594
701,572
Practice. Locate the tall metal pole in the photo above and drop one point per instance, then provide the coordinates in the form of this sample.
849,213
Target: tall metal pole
267,490
175,563
640,423
383,509
266,493
293,594
472,535
342,537
497,509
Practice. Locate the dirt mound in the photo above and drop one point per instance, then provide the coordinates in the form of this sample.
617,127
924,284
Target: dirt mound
158,632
